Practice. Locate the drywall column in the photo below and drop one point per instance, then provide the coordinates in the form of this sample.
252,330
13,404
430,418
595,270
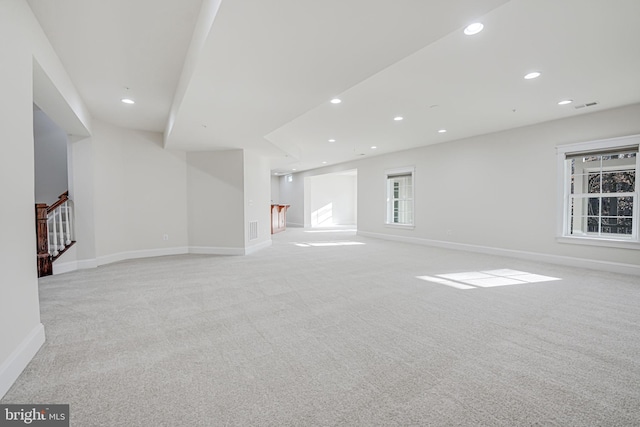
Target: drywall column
257,196
82,192
215,202
140,195
275,189
292,193
21,333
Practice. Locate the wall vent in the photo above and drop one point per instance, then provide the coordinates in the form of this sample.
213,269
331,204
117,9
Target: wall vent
588,104
253,230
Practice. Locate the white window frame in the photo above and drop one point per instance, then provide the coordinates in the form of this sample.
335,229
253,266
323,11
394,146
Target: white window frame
390,173
564,194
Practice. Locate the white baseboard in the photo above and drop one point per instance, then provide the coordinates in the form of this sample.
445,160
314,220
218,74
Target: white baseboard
295,224
212,250
87,263
65,267
147,253
614,267
59,268
255,248
11,368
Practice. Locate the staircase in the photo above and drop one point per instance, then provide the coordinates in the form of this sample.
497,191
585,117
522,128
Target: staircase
54,231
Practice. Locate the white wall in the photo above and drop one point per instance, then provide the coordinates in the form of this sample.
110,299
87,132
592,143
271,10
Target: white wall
495,191
292,194
50,145
19,308
139,194
257,196
215,189
332,200
21,333
130,193
275,189
82,194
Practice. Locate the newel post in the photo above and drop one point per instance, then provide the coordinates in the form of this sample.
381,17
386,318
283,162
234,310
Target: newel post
45,266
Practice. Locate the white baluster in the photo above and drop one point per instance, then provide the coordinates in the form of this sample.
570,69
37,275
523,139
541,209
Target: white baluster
69,220
61,229
67,223
55,234
49,243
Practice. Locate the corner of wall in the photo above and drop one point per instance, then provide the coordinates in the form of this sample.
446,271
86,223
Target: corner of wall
18,360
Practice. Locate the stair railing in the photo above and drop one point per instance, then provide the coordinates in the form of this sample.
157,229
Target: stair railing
54,230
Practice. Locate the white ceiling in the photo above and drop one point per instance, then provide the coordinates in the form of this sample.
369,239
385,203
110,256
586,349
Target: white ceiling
262,75
108,46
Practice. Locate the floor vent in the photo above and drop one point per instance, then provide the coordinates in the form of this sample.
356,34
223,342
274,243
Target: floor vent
253,230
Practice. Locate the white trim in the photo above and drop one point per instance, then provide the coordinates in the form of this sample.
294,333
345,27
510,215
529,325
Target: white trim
400,226
255,248
148,253
11,368
390,173
66,267
592,264
294,224
399,171
87,263
599,241
562,192
599,144
211,250
562,188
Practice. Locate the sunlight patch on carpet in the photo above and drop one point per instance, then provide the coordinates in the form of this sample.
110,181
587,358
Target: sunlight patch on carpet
320,244
332,230
487,279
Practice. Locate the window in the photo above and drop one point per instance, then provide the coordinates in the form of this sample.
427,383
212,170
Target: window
600,195
400,197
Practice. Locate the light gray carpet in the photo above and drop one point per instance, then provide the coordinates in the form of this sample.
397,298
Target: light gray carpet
338,335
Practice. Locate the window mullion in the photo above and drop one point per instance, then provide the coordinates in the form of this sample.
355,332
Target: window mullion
600,202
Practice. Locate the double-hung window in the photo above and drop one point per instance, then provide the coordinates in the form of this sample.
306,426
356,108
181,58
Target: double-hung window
400,196
600,193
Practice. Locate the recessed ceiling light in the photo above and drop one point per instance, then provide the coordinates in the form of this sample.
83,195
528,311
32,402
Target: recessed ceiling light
474,28
442,131
398,118
332,140
373,147
128,101
336,101
565,102
294,169
532,75
324,163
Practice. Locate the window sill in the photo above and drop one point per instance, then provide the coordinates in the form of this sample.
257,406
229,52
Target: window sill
400,226
599,241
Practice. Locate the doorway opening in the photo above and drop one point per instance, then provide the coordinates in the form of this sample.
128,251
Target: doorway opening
331,200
